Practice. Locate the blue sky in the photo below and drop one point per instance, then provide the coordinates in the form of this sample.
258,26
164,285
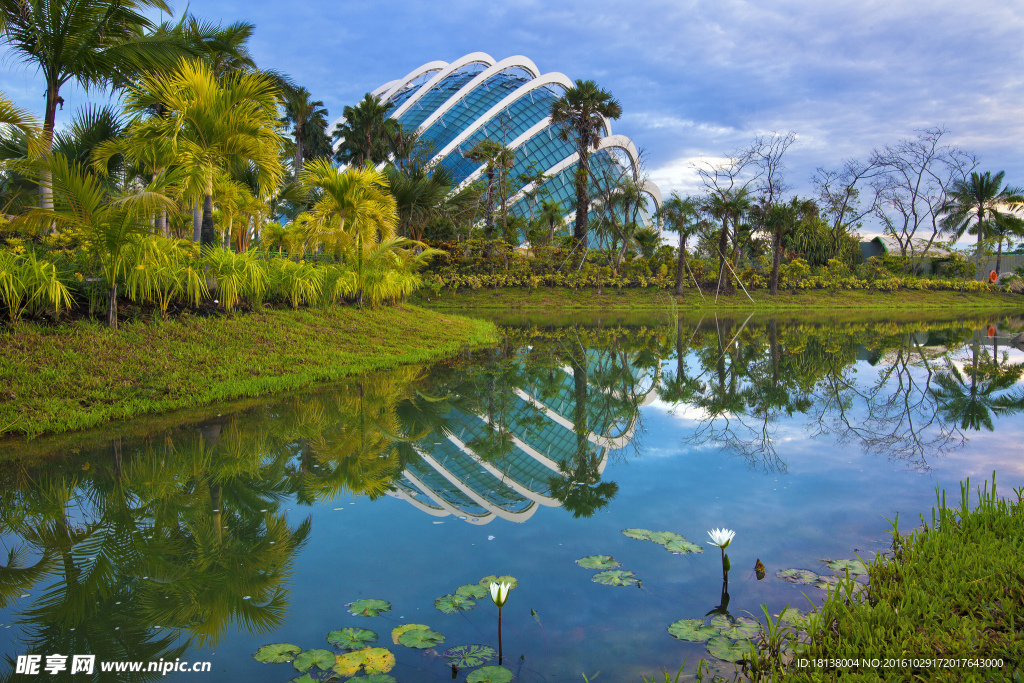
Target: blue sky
694,78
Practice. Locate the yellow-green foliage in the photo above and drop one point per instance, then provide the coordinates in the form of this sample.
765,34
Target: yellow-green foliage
27,282
238,276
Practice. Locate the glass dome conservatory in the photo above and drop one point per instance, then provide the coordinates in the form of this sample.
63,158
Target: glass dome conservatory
453,106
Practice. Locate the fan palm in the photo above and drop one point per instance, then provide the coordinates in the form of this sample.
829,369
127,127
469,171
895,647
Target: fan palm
580,115
92,42
211,124
497,159
977,204
680,215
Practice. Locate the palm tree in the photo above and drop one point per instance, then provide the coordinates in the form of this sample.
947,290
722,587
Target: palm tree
367,132
727,206
107,221
580,115
214,123
991,389
420,197
551,213
307,118
681,215
92,42
977,204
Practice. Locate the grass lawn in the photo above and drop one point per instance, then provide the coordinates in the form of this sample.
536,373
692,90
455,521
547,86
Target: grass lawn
635,298
55,379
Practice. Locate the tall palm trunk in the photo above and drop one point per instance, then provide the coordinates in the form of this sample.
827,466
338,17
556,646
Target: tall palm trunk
297,161
49,121
582,204
776,260
207,234
723,244
681,266
112,308
197,222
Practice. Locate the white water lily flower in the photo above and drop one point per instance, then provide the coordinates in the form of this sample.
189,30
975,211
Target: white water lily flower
721,537
499,592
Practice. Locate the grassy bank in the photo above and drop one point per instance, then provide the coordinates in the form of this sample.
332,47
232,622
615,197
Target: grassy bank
54,379
650,298
950,590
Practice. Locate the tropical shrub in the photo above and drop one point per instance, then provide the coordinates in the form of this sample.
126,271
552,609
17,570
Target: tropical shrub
237,275
29,283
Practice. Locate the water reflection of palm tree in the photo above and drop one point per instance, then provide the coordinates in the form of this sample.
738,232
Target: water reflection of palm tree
972,401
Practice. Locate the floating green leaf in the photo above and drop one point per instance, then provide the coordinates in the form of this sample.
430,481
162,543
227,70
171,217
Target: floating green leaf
682,547
693,630
420,638
598,562
793,616
742,628
663,537
370,607
729,650
373,678
306,678
798,576
638,534
472,590
450,604
825,582
855,567
351,638
373,660
488,580
490,674
278,653
468,656
615,577
397,632
321,659
720,621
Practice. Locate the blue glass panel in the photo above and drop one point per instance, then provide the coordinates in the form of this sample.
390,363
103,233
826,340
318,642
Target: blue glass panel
473,105
438,95
410,89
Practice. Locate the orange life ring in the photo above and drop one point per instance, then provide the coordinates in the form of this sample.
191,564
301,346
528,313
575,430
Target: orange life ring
991,331
993,276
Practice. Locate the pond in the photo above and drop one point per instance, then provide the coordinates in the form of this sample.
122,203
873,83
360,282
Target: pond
383,503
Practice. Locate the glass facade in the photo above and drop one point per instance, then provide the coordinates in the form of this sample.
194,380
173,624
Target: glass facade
466,117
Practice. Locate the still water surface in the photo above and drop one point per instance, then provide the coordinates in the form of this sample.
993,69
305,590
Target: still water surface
204,536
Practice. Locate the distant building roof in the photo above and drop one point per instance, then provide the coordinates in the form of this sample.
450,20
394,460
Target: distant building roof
891,245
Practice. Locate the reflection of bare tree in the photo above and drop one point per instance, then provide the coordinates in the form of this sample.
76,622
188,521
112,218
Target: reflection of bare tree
901,416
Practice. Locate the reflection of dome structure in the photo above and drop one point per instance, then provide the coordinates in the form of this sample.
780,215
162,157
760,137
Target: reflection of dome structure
451,478
454,106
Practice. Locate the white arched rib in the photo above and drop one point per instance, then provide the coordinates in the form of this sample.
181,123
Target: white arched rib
522,91
619,141
471,58
441,502
436,65
473,495
653,190
508,63
503,477
376,92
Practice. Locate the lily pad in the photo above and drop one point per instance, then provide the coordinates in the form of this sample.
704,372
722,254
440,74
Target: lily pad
372,660
450,604
278,653
306,678
794,617
742,628
638,534
369,607
799,576
488,580
373,678
598,562
490,674
663,537
321,659
397,632
855,567
473,590
729,650
825,582
693,630
468,656
351,638
420,639
682,547
615,577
